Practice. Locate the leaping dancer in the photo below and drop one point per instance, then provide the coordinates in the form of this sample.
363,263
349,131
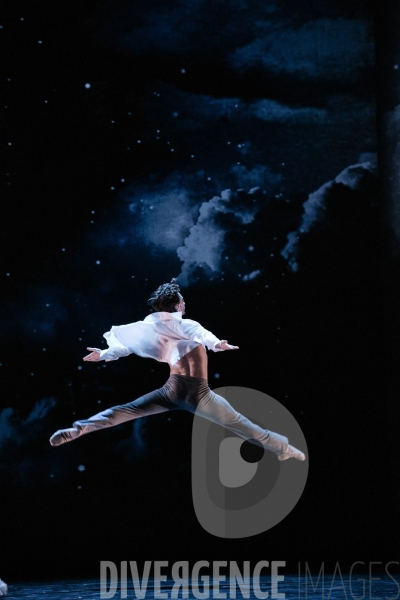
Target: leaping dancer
165,336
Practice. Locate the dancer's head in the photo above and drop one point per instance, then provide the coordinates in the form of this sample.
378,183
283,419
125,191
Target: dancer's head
167,298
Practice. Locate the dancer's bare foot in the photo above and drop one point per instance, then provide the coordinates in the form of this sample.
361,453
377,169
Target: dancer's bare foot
292,452
64,435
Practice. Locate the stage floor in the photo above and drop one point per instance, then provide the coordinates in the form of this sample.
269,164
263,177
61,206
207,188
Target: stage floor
292,587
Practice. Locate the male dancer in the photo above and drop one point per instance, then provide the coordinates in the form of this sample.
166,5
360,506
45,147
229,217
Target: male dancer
166,337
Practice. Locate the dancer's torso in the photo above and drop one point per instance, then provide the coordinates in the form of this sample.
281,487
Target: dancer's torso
193,364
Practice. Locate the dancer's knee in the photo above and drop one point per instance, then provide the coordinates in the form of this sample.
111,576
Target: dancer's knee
236,417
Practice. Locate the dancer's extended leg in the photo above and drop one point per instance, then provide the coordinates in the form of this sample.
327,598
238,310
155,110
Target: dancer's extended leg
149,404
215,408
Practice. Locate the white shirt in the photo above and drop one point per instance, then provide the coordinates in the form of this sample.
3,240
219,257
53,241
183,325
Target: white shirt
164,336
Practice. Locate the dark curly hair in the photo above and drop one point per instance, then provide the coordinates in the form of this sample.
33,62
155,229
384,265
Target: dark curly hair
165,297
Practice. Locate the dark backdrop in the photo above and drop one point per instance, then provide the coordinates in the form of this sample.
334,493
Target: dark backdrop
125,124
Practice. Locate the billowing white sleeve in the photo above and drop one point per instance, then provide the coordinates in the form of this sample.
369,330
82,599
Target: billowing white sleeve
194,331
115,349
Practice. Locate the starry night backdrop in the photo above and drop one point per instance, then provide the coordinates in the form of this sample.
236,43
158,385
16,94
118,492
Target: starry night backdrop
232,144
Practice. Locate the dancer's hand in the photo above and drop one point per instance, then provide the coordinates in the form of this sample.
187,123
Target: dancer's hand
93,356
223,345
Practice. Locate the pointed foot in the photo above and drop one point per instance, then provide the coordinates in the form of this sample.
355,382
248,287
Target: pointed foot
292,452
64,435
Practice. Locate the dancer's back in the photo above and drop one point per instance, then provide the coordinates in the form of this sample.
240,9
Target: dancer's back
193,364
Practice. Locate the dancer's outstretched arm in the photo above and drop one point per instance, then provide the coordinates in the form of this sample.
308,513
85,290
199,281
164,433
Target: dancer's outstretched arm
194,331
93,356
223,345
115,351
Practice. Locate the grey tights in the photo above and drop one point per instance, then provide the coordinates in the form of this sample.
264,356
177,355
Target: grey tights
187,393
